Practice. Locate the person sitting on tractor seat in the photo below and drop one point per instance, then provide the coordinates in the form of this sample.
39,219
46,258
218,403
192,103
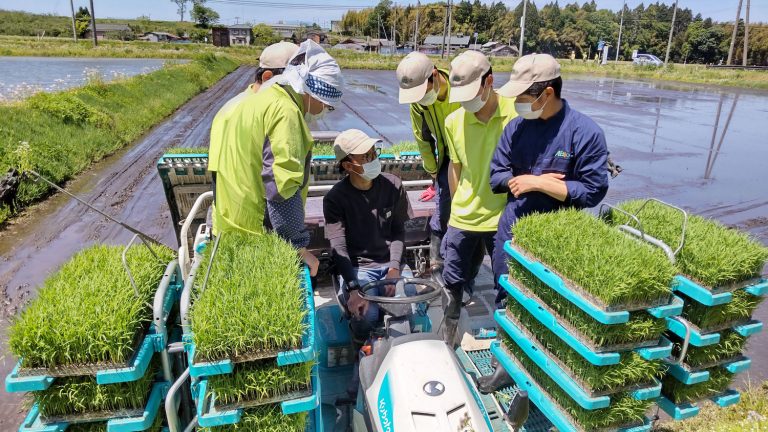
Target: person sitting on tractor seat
365,215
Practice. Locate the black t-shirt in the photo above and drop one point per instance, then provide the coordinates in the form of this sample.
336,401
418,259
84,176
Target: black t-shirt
366,227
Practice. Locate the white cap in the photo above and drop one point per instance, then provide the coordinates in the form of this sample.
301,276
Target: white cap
353,141
529,69
467,71
412,75
276,56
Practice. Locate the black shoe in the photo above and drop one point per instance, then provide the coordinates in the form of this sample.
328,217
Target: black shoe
495,381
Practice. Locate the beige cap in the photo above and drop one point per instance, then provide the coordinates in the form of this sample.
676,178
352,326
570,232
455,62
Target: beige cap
530,69
412,74
467,71
276,56
353,141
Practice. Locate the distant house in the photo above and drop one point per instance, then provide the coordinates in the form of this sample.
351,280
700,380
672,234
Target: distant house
457,41
220,36
476,47
335,26
381,46
353,44
240,34
487,47
287,32
110,31
504,51
159,37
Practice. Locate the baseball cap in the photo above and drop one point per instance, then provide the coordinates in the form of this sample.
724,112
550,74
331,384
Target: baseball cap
276,56
353,141
412,74
530,69
467,71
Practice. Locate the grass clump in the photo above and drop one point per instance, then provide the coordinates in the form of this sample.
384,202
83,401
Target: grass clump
395,149
677,392
623,410
731,345
641,327
609,266
87,312
631,371
739,309
254,301
82,395
266,418
258,381
713,255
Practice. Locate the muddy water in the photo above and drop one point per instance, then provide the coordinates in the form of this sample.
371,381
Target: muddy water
668,137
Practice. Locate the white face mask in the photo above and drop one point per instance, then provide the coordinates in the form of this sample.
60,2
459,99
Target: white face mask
371,170
477,103
526,111
431,96
309,118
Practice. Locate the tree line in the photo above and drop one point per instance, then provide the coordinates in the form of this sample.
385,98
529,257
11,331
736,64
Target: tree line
561,29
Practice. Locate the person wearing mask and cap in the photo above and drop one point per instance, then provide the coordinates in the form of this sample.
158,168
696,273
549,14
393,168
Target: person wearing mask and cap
365,215
261,165
548,158
427,90
472,133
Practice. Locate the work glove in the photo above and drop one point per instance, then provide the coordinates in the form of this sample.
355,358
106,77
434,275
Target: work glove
428,194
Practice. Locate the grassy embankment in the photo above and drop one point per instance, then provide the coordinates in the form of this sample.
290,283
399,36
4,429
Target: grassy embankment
693,74
61,134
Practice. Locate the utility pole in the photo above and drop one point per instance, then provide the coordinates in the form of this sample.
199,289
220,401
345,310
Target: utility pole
733,35
522,28
450,21
93,25
74,29
746,35
445,25
671,32
416,33
621,27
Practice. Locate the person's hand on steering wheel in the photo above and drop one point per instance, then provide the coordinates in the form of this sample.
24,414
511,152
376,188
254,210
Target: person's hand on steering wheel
391,289
356,305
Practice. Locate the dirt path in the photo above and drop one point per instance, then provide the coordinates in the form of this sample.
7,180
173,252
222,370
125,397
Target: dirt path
126,184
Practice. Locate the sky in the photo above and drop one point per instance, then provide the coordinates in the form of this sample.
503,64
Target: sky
293,11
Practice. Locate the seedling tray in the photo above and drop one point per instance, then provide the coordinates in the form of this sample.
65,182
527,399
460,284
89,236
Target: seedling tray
306,352
208,415
688,410
587,399
700,339
690,376
717,296
585,301
22,379
558,416
138,421
604,356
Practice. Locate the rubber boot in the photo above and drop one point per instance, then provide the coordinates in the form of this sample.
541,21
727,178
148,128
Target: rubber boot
450,328
435,257
495,381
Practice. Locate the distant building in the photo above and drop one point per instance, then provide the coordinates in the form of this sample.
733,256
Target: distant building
111,31
476,47
381,46
335,26
504,51
457,41
220,36
159,37
487,47
287,32
240,34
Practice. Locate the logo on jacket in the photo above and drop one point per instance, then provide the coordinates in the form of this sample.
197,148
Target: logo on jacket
562,154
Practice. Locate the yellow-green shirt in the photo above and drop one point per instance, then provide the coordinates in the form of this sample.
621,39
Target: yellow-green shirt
472,144
428,125
260,149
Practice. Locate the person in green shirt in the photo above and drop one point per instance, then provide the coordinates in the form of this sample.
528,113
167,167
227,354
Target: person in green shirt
261,163
472,133
427,90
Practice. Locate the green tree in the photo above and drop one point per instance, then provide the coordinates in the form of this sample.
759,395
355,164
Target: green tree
378,18
263,35
702,44
203,16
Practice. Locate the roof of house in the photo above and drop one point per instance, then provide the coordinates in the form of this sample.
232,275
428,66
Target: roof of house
240,26
490,44
382,42
438,40
111,27
475,47
504,48
171,35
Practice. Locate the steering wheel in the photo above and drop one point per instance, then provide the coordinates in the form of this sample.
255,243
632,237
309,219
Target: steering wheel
399,305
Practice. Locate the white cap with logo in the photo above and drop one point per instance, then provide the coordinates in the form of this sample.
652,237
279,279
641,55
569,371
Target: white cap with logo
353,142
467,71
276,56
412,75
529,69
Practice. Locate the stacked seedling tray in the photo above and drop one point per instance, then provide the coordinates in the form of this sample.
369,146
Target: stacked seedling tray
248,320
402,160
92,345
583,330
719,280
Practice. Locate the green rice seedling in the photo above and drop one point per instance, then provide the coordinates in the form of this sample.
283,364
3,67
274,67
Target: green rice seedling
641,327
260,381
87,313
266,418
631,371
395,149
101,426
739,309
730,346
254,302
611,267
187,150
713,255
677,392
624,409
82,395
